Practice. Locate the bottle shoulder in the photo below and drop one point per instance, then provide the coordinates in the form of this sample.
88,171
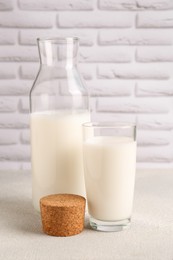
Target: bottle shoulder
55,80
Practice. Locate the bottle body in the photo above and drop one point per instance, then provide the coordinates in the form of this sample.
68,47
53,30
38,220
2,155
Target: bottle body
59,106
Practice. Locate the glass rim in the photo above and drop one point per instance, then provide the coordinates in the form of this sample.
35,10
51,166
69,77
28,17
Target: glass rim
109,125
59,39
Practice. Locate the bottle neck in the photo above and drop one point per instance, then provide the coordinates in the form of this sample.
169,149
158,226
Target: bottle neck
59,52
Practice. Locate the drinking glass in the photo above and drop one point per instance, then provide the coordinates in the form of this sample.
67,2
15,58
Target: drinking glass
109,168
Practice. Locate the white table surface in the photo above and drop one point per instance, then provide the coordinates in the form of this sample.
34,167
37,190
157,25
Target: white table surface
150,236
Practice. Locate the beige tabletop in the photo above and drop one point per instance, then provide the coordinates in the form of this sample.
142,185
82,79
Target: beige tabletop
150,236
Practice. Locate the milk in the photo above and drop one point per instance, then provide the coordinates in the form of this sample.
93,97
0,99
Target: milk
109,176
57,165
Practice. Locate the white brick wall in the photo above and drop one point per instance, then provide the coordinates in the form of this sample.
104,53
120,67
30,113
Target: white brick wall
126,57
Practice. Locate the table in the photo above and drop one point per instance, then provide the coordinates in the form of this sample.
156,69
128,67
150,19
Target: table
150,236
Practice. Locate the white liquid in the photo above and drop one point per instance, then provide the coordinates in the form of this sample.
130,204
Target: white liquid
57,165
109,177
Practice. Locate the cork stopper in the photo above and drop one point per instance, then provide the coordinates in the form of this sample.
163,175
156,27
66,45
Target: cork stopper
62,214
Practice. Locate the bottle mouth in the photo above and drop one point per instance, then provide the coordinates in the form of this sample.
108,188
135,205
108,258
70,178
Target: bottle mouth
59,40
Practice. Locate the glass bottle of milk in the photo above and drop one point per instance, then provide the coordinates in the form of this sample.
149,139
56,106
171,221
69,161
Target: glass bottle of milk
58,107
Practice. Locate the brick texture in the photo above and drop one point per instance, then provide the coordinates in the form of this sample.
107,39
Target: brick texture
132,72
135,37
154,138
110,88
17,88
25,137
8,37
9,137
24,105
138,106
154,89
95,20
154,54
156,156
28,71
154,4
10,153
28,37
106,55
155,20
6,74
54,5
125,57
8,104
136,5
155,122
18,54
25,20
14,121
6,5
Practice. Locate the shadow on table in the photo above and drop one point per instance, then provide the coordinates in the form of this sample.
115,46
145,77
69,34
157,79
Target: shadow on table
19,214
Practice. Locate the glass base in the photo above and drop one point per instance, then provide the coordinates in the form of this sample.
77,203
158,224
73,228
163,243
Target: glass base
110,226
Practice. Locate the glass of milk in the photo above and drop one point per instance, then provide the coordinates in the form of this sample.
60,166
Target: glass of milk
109,168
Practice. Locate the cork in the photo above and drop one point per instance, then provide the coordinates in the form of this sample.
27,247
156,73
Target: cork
62,214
